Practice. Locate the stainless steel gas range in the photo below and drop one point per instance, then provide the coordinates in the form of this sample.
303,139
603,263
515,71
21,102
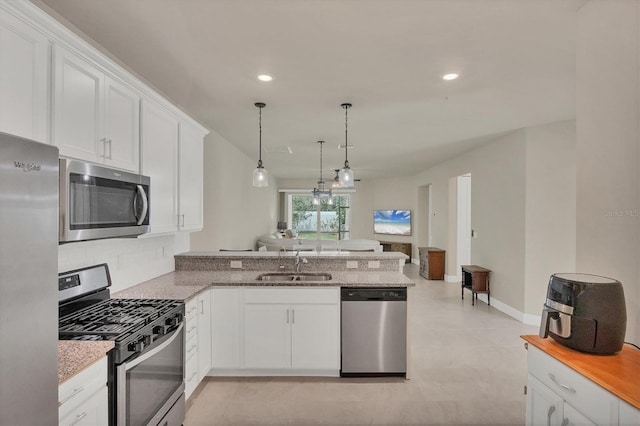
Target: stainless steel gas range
146,366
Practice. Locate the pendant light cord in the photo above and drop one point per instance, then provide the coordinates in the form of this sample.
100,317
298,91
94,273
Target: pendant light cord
260,137
346,107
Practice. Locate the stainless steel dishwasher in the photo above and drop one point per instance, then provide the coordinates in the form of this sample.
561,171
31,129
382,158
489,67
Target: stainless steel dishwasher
374,331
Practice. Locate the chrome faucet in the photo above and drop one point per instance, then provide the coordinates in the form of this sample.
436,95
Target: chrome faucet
300,261
280,264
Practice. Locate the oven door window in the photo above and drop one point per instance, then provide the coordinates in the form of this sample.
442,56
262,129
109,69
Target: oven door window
152,382
102,203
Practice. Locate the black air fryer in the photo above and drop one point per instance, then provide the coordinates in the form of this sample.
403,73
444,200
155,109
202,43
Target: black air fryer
585,312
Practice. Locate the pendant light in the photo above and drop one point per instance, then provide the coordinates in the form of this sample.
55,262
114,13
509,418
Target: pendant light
260,175
320,192
345,176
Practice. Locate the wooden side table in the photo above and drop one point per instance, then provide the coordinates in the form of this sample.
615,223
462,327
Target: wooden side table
476,279
431,263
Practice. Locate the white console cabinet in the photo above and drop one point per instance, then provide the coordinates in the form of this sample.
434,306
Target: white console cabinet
558,395
83,399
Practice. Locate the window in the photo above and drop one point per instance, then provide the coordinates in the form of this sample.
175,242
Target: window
323,221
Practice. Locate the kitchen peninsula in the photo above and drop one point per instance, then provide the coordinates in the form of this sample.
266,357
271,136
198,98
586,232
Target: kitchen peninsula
267,313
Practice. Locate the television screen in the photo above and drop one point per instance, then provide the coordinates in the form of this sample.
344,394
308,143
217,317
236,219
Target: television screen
392,222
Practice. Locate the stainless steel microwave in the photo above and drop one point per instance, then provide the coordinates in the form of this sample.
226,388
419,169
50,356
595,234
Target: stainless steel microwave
99,202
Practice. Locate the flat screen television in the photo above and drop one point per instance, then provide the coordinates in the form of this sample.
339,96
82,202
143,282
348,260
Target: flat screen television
392,222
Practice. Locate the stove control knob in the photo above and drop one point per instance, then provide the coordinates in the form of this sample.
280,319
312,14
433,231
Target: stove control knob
174,321
160,330
139,345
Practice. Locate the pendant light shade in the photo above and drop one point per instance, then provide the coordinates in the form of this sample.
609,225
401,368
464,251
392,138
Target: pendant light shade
345,175
260,175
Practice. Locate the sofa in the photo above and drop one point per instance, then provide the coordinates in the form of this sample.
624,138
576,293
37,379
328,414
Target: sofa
276,242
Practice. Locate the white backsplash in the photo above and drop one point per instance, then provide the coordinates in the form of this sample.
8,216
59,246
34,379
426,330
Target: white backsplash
131,260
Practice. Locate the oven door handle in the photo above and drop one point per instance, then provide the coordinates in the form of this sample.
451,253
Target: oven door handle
146,355
145,204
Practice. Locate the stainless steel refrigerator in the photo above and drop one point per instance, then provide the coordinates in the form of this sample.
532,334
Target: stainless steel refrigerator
28,282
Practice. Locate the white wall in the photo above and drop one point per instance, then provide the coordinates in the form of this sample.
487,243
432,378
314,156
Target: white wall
608,153
131,260
235,212
550,230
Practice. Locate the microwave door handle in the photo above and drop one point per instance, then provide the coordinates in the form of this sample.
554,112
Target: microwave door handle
145,204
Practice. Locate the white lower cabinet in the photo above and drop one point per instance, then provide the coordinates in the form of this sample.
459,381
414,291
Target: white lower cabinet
559,396
191,346
226,328
197,348
267,335
292,329
204,334
83,399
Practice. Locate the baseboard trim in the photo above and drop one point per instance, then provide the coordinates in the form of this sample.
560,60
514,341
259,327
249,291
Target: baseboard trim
452,278
528,319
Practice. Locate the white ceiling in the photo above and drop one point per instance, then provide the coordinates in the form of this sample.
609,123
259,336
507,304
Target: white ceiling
516,60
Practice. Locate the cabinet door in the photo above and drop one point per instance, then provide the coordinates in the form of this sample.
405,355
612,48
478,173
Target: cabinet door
628,415
77,110
571,417
160,162
267,336
122,126
315,337
226,331
204,334
191,178
24,72
544,407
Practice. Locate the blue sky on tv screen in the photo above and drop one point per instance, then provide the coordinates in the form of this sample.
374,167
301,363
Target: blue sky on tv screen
395,216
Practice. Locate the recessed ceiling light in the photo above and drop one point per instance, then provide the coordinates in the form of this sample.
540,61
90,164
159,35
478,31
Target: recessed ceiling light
451,76
265,77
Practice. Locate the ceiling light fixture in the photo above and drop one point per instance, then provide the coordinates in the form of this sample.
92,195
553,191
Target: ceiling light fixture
345,176
335,183
451,76
260,175
265,77
320,192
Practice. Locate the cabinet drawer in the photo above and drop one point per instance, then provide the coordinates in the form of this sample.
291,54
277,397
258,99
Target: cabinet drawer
190,347
190,329
191,309
588,398
92,412
293,295
191,374
79,387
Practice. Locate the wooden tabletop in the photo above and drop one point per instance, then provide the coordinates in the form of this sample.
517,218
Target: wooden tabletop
618,373
474,268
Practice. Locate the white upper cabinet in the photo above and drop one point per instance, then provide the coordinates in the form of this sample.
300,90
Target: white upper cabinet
190,178
122,126
24,73
160,163
95,117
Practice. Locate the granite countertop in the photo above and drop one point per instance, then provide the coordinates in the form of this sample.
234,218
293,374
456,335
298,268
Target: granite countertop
74,356
183,285
333,255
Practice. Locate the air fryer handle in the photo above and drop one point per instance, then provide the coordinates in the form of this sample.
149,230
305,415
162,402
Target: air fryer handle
547,315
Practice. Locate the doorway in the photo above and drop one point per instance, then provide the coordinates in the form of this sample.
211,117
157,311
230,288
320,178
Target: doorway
463,215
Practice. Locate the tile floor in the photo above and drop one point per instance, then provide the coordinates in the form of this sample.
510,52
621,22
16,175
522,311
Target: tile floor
468,368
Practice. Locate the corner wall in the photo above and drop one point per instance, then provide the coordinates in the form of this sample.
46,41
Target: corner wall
550,232
235,213
608,152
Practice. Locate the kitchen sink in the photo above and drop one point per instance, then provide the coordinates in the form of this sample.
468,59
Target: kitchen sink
294,276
